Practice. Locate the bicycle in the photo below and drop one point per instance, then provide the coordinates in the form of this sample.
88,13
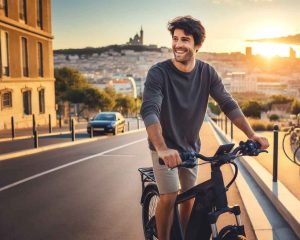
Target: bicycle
294,133
210,197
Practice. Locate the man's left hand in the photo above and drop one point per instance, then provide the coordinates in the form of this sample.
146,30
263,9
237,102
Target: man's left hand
263,141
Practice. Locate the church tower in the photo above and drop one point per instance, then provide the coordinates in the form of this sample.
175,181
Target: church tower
142,36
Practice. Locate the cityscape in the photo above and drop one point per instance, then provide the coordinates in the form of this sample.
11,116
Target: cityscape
66,64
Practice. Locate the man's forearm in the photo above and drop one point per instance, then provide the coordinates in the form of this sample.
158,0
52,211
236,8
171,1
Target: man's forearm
155,135
242,123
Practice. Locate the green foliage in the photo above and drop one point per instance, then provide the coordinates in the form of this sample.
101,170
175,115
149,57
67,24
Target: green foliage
252,109
280,99
295,108
260,125
214,108
124,104
274,117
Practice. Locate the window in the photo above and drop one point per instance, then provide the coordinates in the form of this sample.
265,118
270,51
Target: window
4,54
39,8
42,100
40,59
4,7
25,57
23,11
6,100
27,102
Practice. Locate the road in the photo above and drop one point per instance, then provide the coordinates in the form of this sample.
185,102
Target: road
90,191
93,199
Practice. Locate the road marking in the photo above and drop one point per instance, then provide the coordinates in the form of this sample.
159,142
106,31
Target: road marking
68,164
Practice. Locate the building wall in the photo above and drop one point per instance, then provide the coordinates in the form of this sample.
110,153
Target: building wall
16,82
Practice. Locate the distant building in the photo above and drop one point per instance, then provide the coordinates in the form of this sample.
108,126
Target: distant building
248,51
292,53
26,76
137,40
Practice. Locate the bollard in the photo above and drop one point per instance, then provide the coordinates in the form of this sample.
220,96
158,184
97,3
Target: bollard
73,130
222,123
33,123
128,128
138,123
12,128
231,131
50,125
70,123
92,132
36,139
226,125
59,122
275,154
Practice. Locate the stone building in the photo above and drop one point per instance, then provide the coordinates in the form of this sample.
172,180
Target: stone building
137,40
26,76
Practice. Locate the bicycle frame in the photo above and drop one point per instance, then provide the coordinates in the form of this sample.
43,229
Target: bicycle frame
210,202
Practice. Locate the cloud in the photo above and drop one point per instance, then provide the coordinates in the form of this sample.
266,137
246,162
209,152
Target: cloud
291,39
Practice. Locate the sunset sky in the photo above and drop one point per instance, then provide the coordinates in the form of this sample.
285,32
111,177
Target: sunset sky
229,23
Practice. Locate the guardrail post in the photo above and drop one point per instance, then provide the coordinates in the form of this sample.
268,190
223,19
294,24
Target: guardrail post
59,120
92,132
33,123
226,125
50,124
222,123
73,130
275,154
231,131
12,128
138,123
36,138
128,127
70,123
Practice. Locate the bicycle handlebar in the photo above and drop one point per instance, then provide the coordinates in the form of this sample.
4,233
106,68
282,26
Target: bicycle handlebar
248,148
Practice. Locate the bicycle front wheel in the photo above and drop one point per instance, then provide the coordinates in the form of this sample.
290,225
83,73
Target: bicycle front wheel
148,215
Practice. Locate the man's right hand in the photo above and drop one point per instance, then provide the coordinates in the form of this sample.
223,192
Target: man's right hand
170,157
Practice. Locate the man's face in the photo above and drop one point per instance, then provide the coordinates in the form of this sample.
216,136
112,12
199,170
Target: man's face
183,45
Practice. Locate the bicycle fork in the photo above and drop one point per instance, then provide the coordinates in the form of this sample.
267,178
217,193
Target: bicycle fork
213,217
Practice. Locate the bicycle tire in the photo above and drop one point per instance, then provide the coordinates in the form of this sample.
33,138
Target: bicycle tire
148,213
231,233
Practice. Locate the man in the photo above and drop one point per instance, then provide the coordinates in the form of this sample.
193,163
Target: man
174,104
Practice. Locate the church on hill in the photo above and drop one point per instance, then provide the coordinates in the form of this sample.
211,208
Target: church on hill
137,40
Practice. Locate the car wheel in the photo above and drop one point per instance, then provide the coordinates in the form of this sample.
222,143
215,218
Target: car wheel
115,130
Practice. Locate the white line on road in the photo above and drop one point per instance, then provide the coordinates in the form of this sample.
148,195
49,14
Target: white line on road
67,165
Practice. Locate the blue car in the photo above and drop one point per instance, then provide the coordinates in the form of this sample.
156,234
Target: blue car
107,122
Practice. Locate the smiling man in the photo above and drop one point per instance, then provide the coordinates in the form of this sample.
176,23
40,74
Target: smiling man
174,105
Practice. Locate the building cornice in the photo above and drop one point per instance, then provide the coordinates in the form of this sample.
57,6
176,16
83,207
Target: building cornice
25,28
27,80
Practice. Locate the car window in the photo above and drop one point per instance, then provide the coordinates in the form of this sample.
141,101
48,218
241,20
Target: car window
107,117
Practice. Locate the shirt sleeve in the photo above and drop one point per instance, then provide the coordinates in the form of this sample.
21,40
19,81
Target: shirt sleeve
152,96
226,102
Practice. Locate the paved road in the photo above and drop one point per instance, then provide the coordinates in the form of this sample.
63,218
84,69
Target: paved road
90,191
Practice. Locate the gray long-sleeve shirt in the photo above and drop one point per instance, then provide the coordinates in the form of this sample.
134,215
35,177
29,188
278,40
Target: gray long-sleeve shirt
178,101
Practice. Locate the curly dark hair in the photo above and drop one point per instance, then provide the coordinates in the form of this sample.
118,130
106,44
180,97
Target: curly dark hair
190,26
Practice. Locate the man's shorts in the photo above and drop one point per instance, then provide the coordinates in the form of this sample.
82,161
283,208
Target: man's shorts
168,180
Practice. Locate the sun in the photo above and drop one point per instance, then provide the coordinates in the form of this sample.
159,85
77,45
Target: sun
270,49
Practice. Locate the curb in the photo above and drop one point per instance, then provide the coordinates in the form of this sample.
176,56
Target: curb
57,146
283,200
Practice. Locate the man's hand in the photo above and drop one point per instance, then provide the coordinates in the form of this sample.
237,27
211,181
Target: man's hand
263,141
170,157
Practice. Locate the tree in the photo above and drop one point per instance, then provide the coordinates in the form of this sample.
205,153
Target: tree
252,109
68,79
124,104
280,99
214,108
274,117
295,108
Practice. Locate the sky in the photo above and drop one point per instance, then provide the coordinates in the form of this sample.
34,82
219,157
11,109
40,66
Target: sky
228,23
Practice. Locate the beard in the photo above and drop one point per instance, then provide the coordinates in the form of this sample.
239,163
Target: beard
185,57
